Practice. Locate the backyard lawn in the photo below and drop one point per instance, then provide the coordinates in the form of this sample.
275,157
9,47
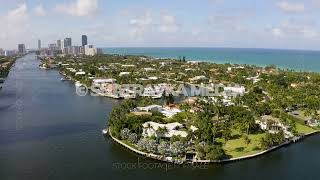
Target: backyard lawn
303,129
237,147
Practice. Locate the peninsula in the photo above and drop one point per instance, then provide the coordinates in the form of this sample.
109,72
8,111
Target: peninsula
253,110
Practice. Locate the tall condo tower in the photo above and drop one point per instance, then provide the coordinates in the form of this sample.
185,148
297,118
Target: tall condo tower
59,44
39,44
67,42
84,40
21,49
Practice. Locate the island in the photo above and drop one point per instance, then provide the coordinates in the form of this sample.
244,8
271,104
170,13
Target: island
246,110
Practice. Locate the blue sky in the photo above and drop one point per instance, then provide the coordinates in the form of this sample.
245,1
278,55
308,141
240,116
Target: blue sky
281,24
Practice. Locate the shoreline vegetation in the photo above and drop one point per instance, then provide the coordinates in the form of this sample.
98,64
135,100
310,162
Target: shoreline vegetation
6,64
269,107
168,160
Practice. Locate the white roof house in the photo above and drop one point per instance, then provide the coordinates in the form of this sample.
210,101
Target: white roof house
150,108
149,69
197,78
194,62
103,81
254,79
235,67
128,94
168,112
80,73
193,128
143,79
155,92
189,69
150,129
164,63
128,65
273,125
153,78
235,90
124,73
71,70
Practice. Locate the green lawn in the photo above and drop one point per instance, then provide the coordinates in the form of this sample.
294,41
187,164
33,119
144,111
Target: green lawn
237,147
303,129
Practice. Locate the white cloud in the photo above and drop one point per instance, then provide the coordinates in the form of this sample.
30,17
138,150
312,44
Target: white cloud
195,32
291,29
222,20
149,24
291,7
140,25
40,11
15,27
229,23
168,24
81,8
278,32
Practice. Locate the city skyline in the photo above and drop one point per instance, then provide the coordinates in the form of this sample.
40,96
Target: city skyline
277,24
65,47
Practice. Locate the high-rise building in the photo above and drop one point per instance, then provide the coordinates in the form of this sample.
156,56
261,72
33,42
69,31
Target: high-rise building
90,50
9,53
39,44
62,45
84,40
59,44
75,50
52,46
65,50
21,49
82,50
67,42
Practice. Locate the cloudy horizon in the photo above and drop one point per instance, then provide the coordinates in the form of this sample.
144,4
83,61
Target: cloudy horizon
276,24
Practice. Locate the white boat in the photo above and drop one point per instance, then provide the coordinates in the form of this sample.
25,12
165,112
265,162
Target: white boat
78,84
65,79
105,132
159,96
128,96
42,67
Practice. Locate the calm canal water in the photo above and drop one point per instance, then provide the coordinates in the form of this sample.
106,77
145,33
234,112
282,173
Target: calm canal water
48,132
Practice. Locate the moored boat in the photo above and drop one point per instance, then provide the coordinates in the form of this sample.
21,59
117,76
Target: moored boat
78,84
105,132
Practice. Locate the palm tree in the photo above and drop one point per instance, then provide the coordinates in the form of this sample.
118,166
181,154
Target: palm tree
161,132
249,122
214,131
307,112
185,106
149,126
191,134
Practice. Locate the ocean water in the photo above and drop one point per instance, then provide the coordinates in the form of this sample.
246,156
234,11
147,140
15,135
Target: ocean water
299,60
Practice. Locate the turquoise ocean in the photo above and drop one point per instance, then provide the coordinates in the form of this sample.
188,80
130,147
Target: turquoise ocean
299,60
